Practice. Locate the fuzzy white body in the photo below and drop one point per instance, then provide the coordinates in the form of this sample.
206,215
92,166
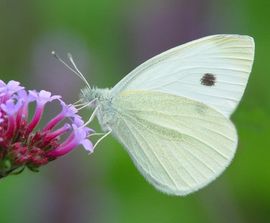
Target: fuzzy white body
104,104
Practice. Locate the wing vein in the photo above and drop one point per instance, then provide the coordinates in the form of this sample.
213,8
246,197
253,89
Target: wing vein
188,161
156,156
200,160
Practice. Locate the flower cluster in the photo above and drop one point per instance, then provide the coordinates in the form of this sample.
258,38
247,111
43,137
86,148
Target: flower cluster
22,142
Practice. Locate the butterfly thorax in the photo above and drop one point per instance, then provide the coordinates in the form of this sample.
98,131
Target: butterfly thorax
100,99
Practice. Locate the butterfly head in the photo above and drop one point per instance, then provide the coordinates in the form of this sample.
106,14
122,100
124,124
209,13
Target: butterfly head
98,99
97,95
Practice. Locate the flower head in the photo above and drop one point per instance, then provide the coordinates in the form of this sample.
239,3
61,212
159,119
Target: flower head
22,143
10,88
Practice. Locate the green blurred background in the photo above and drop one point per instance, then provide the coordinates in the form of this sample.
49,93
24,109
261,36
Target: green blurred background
108,38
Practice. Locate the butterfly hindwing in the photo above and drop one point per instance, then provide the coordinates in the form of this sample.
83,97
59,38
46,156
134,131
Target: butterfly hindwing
178,144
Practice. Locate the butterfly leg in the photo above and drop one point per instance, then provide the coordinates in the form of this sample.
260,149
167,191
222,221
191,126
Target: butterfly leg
91,117
101,138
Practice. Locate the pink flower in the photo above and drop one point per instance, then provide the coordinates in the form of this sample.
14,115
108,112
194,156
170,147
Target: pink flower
21,145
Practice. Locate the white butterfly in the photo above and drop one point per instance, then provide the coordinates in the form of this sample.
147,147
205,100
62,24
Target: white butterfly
172,112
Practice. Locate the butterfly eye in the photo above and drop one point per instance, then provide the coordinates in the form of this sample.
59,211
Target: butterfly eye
208,79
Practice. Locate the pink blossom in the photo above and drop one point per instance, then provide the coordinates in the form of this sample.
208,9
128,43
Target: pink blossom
21,145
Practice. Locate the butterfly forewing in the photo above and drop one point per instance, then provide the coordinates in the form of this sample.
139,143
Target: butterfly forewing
213,70
178,144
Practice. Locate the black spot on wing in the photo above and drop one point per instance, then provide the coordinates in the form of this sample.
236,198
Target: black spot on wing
208,79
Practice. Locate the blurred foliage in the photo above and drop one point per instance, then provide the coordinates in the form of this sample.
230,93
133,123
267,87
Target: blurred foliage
118,35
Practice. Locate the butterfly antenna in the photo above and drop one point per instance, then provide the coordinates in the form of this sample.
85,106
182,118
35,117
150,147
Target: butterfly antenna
70,68
76,68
